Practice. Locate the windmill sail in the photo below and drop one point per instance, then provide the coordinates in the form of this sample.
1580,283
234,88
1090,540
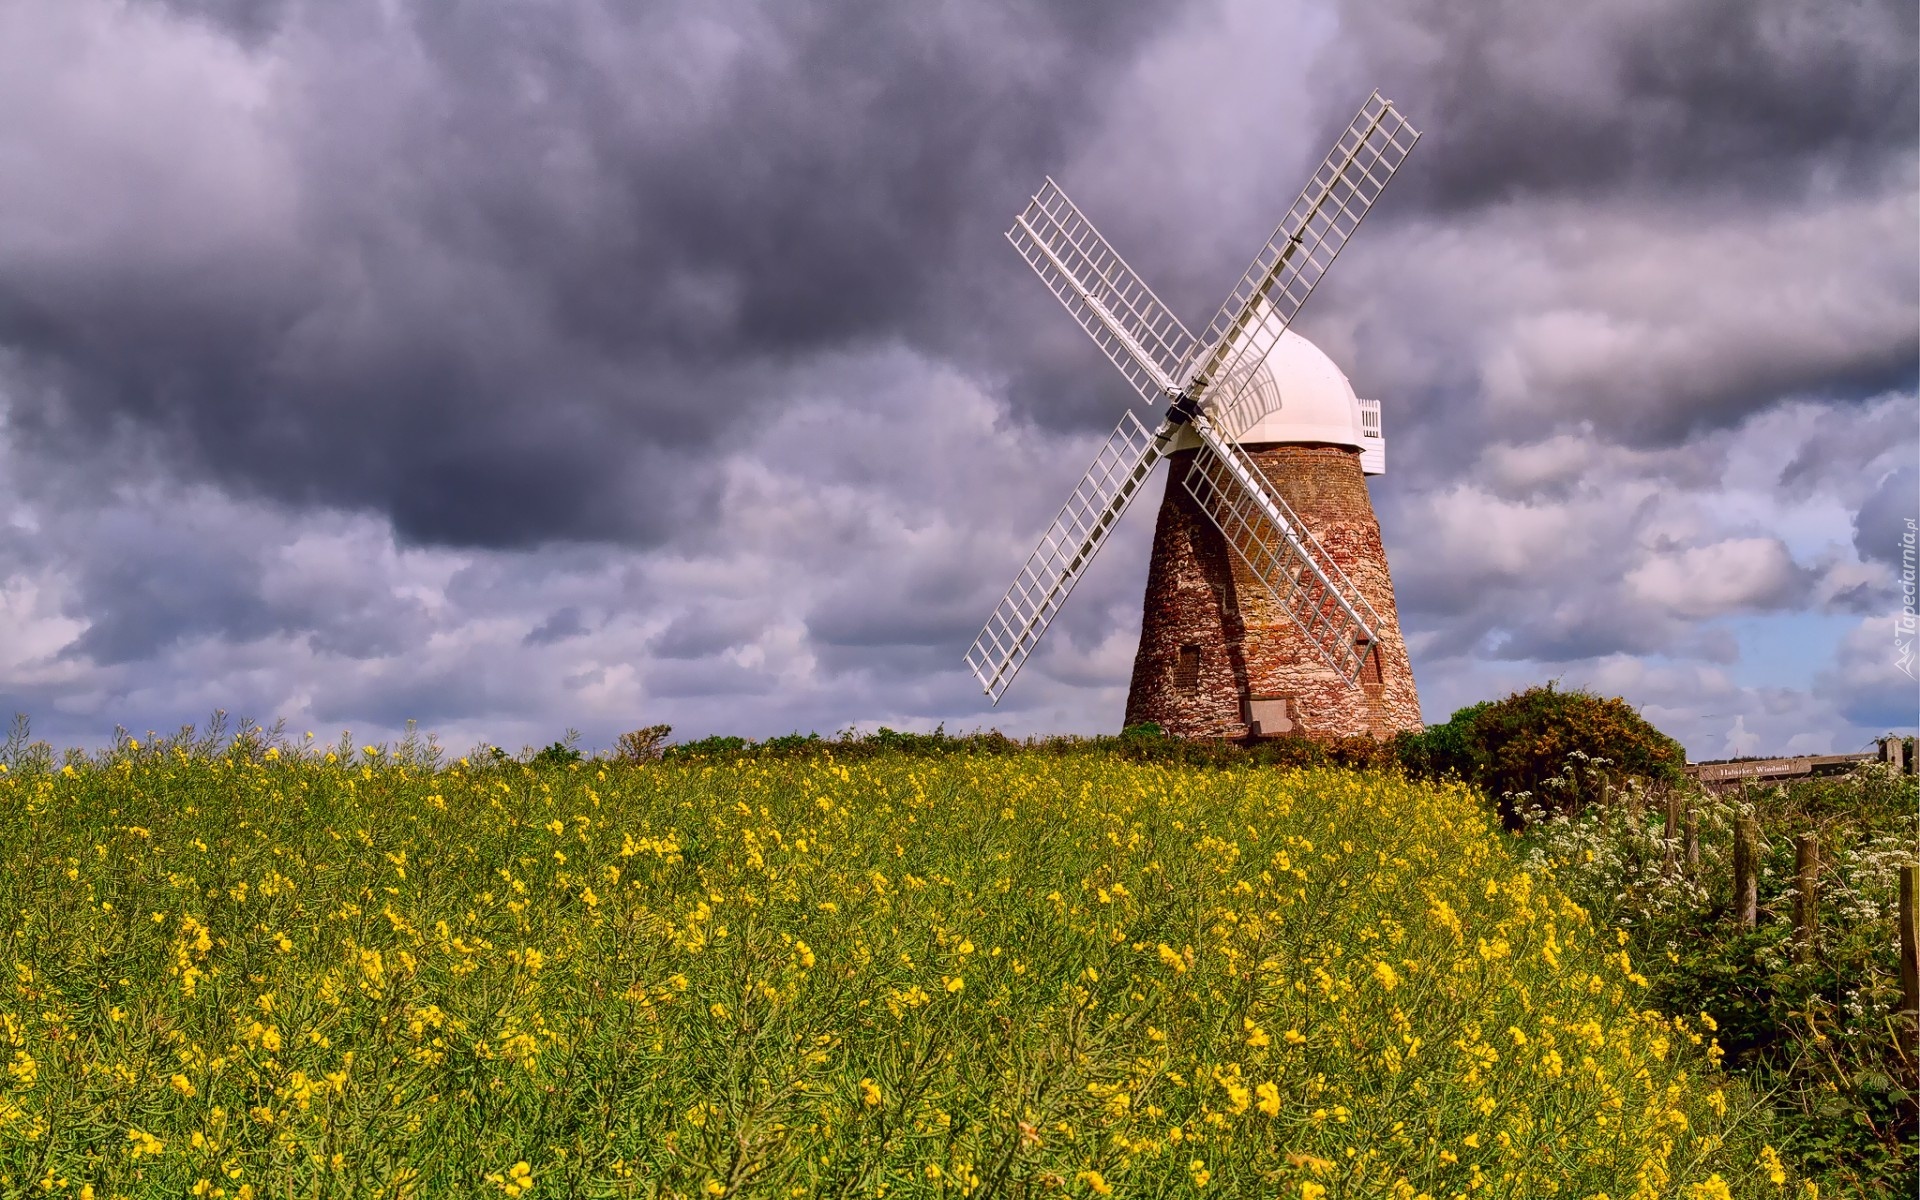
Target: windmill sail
1047,579
1303,578
1303,246
1138,333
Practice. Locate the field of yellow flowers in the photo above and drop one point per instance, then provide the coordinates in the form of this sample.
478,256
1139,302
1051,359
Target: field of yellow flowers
266,972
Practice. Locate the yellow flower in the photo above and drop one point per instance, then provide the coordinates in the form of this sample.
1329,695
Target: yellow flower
1269,1099
1312,1191
1256,1036
870,1093
1776,1171
1237,1098
1095,1184
517,1181
145,1143
1198,1169
1385,974
181,1084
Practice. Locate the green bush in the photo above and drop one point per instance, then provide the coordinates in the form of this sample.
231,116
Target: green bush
708,747
1544,748
559,754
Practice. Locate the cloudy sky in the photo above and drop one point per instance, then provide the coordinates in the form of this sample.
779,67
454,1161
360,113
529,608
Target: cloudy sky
511,367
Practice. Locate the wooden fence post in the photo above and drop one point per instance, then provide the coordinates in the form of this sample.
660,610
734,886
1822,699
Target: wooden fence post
1746,869
1806,901
1909,943
1693,837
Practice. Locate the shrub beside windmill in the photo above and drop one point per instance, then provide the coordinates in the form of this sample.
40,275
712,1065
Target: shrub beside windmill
1269,606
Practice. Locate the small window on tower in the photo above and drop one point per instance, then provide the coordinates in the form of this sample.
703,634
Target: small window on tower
1369,653
1186,671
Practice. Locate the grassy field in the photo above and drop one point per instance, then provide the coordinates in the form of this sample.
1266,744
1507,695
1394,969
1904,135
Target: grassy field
249,971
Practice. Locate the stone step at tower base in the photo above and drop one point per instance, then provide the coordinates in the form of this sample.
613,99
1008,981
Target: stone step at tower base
1219,659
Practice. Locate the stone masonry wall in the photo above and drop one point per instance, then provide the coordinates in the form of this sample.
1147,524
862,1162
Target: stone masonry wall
1201,597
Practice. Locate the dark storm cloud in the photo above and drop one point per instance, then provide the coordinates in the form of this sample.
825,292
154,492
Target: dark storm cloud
704,633
1725,96
1836,449
251,20
1882,522
390,698
530,262
158,574
563,624
152,584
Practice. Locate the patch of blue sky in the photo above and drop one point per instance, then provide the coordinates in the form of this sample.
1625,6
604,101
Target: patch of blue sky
1785,650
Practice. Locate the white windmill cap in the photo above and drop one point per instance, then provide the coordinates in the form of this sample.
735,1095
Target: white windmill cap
1317,403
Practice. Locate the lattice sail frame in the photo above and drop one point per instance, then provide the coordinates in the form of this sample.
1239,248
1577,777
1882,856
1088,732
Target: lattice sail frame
1223,381
1092,509
1138,333
1324,216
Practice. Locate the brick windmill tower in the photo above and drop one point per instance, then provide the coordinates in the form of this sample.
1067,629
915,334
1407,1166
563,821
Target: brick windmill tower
1218,658
1269,607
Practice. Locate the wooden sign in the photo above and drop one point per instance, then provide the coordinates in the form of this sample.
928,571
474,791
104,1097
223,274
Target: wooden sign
1759,768
1775,768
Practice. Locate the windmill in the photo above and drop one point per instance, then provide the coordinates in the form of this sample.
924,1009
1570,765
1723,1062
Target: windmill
1253,624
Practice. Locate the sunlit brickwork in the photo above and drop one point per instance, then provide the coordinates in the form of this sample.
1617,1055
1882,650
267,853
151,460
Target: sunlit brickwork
1216,653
